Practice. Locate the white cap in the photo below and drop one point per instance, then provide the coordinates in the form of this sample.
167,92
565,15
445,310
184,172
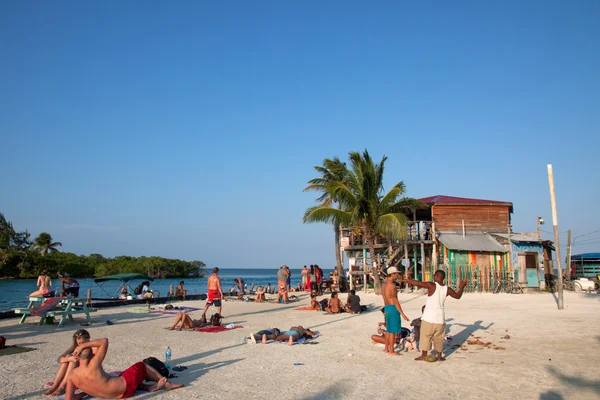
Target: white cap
392,270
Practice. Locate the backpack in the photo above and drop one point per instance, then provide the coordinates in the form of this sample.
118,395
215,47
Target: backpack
138,289
158,365
215,319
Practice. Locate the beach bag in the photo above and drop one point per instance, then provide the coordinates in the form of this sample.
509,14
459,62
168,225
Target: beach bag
158,365
215,319
138,289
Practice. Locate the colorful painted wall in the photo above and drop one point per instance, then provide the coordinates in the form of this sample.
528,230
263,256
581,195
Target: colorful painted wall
526,247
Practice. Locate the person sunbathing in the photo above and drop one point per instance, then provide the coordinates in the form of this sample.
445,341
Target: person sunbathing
187,322
91,378
294,334
334,306
260,295
67,363
264,335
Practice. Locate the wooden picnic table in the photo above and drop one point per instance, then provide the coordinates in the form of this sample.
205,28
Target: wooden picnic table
65,309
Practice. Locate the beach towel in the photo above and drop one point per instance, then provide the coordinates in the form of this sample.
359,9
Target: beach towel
216,329
304,340
174,311
138,310
46,306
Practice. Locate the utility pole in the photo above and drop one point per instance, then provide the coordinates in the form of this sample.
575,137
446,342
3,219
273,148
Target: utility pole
568,266
561,305
540,222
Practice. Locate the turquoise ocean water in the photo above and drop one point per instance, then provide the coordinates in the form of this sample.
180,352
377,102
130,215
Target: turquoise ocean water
13,293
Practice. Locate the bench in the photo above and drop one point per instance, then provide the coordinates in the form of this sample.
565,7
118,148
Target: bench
65,309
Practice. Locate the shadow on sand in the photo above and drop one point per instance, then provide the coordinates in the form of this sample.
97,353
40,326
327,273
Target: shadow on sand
460,338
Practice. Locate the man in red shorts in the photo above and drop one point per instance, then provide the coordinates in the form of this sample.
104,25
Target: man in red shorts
215,292
92,380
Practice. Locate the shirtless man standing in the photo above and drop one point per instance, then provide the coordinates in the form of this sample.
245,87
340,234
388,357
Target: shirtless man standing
92,380
44,283
433,321
393,324
215,292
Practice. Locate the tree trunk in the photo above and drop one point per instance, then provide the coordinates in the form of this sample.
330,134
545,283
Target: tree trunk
369,235
338,259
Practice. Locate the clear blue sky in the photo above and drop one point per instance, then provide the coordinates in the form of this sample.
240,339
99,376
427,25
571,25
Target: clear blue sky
189,129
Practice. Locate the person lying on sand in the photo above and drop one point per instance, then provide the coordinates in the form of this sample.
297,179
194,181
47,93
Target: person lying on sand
91,378
294,334
264,335
187,322
334,306
67,363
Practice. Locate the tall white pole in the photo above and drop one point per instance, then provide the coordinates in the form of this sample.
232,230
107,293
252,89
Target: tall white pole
561,305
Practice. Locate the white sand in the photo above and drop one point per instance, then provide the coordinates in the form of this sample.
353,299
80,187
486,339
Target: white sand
551,354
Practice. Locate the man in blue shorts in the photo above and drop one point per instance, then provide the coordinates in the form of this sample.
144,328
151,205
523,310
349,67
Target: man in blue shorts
393,311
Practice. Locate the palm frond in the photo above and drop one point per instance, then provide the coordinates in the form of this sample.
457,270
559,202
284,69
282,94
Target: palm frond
327,215
392,224
395,192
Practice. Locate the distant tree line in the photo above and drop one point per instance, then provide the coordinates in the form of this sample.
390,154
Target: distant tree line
21,257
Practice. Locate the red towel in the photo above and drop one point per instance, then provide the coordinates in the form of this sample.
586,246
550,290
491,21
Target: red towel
215,329
46,306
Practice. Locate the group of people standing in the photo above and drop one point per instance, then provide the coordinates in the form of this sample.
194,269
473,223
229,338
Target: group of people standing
312,278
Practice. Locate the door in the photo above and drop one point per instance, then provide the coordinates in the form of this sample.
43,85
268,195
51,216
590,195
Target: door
531,265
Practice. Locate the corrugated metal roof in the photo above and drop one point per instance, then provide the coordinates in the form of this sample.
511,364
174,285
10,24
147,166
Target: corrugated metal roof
516,237
441,199
586,256
471,242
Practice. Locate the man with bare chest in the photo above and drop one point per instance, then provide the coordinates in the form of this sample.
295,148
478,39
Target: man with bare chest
92,380
393,311
215,292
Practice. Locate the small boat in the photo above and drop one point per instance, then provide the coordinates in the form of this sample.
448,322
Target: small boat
124,279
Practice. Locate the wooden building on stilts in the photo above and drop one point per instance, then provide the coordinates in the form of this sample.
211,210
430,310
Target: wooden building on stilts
462,236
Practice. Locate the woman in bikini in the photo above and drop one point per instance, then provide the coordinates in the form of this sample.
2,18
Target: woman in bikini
260,295
187,322
44,283
294,334
264,335
67,363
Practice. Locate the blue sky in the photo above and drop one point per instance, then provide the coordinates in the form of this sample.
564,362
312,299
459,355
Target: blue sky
189,130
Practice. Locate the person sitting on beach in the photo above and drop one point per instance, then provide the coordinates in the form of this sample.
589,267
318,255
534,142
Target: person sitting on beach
67,363
416,324
187,322
381,331
69,286
353,303
43,283
124,292
264,335
91,378
294,334
298,287
180,291
260,295
334,306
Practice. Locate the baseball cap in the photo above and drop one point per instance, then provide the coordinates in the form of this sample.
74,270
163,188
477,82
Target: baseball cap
392,270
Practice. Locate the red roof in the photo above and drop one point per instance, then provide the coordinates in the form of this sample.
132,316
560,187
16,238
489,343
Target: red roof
441,199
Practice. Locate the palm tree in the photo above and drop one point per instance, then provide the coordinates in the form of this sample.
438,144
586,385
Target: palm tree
43,243
332,170
364,204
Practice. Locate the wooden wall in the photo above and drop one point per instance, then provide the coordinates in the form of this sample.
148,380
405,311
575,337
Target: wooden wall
478,218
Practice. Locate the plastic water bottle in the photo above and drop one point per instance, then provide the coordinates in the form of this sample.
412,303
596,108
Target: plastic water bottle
168,357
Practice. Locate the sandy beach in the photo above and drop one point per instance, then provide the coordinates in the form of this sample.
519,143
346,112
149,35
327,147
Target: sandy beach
550,354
